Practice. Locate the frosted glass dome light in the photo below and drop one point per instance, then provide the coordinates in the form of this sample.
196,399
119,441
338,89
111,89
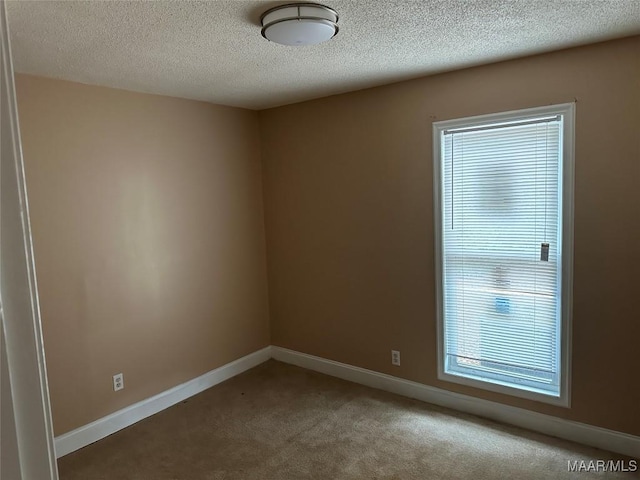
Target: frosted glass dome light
299,24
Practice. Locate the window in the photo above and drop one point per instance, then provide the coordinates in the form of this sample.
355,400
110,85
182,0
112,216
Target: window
504,224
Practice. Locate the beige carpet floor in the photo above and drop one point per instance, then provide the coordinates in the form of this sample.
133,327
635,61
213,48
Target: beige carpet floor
278,421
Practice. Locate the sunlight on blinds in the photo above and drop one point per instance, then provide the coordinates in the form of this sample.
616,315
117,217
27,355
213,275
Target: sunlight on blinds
501,207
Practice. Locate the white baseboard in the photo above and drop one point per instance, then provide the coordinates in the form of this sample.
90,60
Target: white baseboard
577,432
94,431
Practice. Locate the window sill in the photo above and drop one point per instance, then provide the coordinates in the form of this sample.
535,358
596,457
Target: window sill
502,388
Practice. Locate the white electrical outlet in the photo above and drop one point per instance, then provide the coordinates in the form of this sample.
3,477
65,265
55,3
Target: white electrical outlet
395,358
118,382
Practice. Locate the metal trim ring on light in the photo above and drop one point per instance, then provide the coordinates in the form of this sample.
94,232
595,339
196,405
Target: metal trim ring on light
299,17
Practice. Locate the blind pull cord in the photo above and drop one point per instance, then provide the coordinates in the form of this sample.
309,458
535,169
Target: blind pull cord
544,246
452,181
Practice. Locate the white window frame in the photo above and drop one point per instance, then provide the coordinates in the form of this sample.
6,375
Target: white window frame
567,110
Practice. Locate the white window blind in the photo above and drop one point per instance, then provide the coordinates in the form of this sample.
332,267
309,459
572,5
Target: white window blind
501,245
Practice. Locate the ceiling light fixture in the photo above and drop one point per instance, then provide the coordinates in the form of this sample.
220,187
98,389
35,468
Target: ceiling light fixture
299,24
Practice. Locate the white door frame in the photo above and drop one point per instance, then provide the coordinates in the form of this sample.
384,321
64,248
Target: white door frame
26,430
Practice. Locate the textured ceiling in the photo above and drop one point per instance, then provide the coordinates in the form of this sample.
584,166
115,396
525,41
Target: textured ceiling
213,50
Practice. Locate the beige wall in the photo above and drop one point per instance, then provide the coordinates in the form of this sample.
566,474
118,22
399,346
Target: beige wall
149,240
149,233
349,214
